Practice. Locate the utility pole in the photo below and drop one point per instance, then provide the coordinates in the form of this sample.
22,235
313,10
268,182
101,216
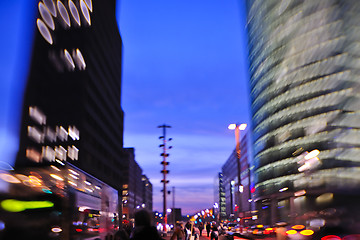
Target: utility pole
173,205
240,187
164,171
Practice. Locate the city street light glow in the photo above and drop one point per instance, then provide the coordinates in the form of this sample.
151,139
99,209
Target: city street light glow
56,177
312,154
283,189
242,126
232,126
300,193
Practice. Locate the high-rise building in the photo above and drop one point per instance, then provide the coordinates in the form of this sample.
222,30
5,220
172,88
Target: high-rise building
71,108
237,194
133,186
147,193
219,197
304,70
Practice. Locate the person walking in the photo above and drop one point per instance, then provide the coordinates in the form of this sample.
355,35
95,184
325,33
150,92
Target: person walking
187,231
143,228
208,228
214,232
201,227
196,232
179,233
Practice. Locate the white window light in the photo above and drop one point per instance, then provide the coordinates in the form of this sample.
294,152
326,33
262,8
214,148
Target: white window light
50,134
35,134
55,168
79,59
85,11
73,153
63,13
89,5
74,172
44,31
69,59
61,133
50,6
48,153
46,16
56,177
74,133
37,115
74,12
72,183
73,176
33,155
60,153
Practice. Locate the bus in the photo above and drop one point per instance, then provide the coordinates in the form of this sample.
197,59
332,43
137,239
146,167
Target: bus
56,202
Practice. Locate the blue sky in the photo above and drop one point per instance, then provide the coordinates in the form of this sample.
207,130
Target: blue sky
184,64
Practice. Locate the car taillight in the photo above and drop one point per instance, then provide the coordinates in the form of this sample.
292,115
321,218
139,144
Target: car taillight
331,237
307,232
291,232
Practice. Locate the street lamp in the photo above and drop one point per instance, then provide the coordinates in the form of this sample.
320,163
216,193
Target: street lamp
238,128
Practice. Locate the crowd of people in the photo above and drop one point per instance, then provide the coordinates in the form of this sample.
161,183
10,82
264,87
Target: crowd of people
193,232
144,229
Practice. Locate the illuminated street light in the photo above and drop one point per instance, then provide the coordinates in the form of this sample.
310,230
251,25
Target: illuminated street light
238,128
312,154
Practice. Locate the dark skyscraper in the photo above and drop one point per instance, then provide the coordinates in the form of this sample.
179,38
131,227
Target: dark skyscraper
72,110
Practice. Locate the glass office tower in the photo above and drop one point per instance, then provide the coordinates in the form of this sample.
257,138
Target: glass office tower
304,70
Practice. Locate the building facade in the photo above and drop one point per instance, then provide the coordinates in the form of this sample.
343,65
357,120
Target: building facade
237,195
134,194
71,108
219,198
147,193
305,107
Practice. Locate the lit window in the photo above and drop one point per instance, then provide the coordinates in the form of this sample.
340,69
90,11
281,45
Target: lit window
46,16
79,59
44,31
73,153
61,133
48,153
74,133
63,13
33,155
37,115
60,153
85,11
50,134
74,12
89,5
50,6
35,134
69,59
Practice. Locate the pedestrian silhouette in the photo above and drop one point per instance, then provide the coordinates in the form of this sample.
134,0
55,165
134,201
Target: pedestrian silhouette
143,229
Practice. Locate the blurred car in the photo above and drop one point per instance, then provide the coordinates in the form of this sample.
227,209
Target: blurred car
231,226
256,230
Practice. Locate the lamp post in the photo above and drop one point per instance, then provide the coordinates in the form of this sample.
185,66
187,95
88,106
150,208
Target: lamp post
237,128
164,171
